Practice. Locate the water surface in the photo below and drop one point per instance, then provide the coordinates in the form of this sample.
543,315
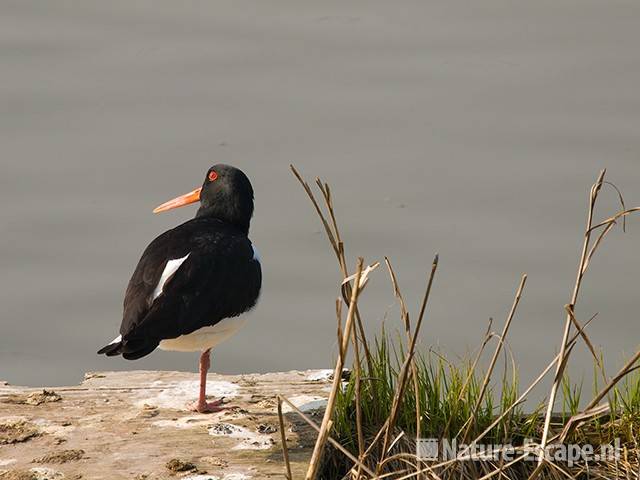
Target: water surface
472,129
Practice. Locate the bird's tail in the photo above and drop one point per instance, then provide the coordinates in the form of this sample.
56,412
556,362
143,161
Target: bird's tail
111,350
129,349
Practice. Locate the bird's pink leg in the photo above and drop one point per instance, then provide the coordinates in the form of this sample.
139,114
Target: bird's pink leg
202,406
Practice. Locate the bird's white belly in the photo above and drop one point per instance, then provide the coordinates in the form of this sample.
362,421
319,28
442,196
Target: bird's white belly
205,337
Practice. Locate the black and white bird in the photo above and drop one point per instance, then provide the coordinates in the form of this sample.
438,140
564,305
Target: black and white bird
193,282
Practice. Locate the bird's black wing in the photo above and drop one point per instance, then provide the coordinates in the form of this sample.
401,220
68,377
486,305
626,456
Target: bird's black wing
218,279
138,299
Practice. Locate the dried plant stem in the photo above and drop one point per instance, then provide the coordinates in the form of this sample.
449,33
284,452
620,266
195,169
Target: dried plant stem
402,378
407,324
496,354
312,197
574,297
332,441
580,417
488,335
523,395
585,337
358,375
326,193
333,235
337,377
283,438
625,370
499,470
517,402
628,367
339,320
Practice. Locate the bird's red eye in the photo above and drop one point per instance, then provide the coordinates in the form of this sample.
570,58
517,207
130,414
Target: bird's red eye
212,175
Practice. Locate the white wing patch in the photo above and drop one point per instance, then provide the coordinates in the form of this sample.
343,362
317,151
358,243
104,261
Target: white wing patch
118,339
256,253
170,269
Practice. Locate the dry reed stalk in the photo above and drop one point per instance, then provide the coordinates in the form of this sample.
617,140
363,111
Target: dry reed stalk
496,354
487,337
562,471
339,319
593,196
588,252
333,235
628,367
373,443
331,440
431,469
326,193
283,438
618,215
402,378
581,417
358,375
405,458
499,471
593,405
337,374
570,344
587,340
417,473
405,316
312,197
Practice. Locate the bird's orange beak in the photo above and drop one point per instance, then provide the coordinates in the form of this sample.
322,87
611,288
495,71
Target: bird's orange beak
180,201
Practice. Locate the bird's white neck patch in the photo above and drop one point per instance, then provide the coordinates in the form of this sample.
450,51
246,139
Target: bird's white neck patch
169,269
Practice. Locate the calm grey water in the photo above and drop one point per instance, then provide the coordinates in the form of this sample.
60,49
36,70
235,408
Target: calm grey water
472,129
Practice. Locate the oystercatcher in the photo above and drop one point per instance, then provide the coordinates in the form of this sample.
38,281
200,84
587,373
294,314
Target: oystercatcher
193,281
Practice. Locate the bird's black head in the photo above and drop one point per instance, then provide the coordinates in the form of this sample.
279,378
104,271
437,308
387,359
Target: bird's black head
226,194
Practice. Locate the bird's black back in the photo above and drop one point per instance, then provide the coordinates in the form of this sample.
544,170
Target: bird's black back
219,279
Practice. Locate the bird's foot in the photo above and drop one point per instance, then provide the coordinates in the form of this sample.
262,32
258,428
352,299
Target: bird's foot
207,407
